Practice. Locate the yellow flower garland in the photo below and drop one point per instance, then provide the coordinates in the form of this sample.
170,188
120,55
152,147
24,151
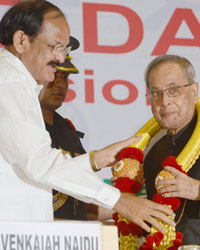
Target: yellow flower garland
186,159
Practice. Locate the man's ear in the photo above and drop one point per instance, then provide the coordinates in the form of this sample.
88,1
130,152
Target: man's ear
195,90
20,41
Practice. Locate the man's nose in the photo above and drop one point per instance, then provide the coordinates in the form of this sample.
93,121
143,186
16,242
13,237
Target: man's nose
59,83
60,56
165,98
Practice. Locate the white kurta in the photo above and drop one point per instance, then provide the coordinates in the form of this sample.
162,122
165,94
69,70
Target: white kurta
29,167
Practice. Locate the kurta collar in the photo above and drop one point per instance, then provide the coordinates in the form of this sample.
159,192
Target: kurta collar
17,63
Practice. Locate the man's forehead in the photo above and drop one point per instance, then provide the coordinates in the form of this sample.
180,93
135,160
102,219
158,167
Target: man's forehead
170,65
167,69
167,74
55,24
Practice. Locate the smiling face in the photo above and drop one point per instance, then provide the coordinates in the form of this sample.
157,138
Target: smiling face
172,113
52,96
38,55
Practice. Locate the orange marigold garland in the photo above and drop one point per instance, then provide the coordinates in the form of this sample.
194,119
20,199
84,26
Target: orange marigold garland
129,173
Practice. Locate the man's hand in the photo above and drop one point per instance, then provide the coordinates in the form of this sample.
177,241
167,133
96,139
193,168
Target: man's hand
140,211
182,186
108,156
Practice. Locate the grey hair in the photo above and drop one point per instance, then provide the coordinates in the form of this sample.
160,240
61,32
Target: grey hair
184,63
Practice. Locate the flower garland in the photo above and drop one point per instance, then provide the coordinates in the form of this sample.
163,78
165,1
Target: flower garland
170,240
129,173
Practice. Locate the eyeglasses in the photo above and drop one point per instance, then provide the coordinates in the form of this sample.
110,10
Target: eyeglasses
171,92
56,49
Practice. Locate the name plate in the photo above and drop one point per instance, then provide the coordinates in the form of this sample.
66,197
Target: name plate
61,235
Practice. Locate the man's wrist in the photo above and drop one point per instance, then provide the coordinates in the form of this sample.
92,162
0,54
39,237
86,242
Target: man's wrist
92,161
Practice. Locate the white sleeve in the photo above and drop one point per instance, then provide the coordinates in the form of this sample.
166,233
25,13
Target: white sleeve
26,144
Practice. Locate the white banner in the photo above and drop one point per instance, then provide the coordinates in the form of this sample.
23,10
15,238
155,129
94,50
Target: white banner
74,235
118,39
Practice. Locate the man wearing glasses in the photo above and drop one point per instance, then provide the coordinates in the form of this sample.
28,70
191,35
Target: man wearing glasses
173,92
35,35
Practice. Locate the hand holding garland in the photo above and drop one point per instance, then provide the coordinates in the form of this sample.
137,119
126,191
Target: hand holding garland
140,211
182,186
108,156
133,208
129,174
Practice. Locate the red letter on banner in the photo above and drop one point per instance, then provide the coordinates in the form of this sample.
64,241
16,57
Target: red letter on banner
168,37
107,92
91,31
8,2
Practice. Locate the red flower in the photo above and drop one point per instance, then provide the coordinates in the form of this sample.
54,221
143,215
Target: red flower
122,226
131,152
126,185
134,229
158,236
171,161
136,187
150,240
146,246
125,232
177,243
172,248
179,236
173,201
115,216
